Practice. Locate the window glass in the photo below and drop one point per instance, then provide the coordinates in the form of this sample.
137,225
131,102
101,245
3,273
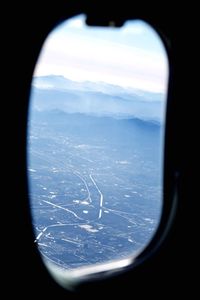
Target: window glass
95,142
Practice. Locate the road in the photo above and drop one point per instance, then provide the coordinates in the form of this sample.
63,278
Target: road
101,197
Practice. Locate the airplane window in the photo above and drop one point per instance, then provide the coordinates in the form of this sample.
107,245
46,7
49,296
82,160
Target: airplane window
95,142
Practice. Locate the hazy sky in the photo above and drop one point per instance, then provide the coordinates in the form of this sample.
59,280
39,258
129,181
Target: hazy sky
132,56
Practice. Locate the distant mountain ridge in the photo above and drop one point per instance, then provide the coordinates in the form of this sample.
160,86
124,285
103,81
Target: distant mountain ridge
59,116
101,99
60,82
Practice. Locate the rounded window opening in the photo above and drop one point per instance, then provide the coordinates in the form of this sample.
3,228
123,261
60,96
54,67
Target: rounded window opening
95,143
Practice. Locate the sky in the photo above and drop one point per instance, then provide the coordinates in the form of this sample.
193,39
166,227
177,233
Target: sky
130,56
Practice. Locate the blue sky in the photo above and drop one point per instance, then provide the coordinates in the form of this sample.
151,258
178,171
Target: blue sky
132,56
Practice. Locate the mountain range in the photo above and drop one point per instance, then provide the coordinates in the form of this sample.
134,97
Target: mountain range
100,99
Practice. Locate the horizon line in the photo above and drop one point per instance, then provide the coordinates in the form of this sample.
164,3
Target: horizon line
99,82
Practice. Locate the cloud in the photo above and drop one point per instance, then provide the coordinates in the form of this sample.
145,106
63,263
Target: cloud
133,29
76,22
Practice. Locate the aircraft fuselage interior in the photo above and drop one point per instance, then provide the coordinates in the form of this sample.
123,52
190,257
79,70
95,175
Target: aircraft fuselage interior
165,267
